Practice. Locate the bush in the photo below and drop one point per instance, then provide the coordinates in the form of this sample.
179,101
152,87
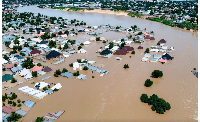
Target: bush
81,44
158,43
13,80
148,83
14,96
194,68
157,74
39,64
19,105
58,72
23,101
34,74
18,100
55,75
104,41
85,68
97,38
147,50
64,70
76,73
144,98
79,47
126,66
71,65
133,52
14,103
92,76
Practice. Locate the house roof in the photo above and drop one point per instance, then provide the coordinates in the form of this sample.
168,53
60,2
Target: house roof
35,51
47,69
7,77
29,103
36,68
49,91
162,41
21,112
47,30
121,52
53,54
152,38
128,48
140,47
106,52
7,109
166,57
67,74
147,37
43,42
8,66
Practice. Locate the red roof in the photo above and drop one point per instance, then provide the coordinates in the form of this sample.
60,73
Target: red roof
128,48
121,52
56,33
152,38
147,37
8,110
35,51
8,66
62,34
140,47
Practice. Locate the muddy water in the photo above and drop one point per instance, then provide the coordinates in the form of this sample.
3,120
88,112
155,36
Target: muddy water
115,96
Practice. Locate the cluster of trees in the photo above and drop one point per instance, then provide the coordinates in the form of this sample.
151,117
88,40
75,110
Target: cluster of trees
126,66
57,73
158,104
28,63
52,44
14,117
85,68
45,36
148,83
64,70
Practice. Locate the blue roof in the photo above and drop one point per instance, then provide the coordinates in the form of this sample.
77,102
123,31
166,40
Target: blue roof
49,91
21,112
6,40
67,74
47,121
29,103
46,78
196,74
5,118
17,68
20,57
3,114
43,42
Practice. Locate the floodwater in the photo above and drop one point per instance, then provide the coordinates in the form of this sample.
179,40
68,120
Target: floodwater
116,96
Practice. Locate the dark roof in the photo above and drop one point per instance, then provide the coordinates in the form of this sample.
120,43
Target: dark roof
35,51
53,54
152,38
128,48
38,29
121,52
167,57
140,47
147,37
47,69
106,52
43,42
47,30
162,41
6,77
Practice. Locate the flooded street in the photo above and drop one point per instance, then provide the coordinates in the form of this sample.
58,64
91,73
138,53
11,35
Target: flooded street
116,96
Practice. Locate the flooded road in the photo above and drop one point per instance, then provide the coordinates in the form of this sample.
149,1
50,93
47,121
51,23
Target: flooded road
116,96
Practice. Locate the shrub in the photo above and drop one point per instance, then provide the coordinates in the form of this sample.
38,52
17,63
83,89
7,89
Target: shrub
14,96
81,44
157,74
39,64
85,68
13,80
133,52
144,98
55,75
14,103
71,65
148,83
23,101
92,76
18,100
79,47
19,105
147,50
76,73
58,72
158,43
64,70
126,66
97,38
194,68
104,41
34,74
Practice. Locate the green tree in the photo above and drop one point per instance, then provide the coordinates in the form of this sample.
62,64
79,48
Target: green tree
126,66
5,57
60,32
85,68
67,32
144,98
34,74
148,83
14,96
157,74
39,64
13,80
147,50
64,70
133,52
65,46
97,38
58,72
39,119
19,105
13,117
79,47
18,100
14,103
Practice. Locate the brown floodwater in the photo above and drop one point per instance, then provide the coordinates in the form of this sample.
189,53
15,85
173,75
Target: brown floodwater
116,96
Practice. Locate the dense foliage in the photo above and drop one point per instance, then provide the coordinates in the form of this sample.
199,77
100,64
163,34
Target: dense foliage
157,74
158,104
148,83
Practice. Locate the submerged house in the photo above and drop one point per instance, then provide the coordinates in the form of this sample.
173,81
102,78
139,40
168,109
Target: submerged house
53,54
162,41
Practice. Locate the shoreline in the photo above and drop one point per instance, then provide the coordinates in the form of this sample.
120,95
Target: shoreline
122,13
